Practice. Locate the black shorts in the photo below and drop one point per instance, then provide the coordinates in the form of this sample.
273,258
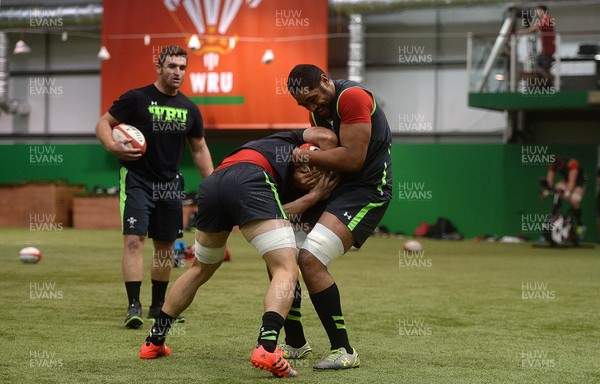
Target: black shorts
151,208
360,209
236,195
306,221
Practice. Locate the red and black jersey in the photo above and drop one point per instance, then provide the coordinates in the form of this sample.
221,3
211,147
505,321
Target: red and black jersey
354,104
547,35
563,166
276,149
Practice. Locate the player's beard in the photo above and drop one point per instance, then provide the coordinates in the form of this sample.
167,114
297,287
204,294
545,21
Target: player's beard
328,104
325,110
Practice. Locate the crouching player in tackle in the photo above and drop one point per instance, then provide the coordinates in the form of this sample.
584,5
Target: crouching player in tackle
243,191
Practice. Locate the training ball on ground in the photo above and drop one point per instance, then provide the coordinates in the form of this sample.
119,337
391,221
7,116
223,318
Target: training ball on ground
30,255
126,131
413,246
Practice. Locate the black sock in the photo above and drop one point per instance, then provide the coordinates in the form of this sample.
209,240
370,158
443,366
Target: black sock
577,215
159,290
329,308
133,291
160,328
269,331
294,332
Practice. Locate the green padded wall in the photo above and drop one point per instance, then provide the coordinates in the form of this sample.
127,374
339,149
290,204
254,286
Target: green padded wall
88,164
482,189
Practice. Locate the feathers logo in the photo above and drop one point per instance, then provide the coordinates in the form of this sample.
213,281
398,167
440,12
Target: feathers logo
212,19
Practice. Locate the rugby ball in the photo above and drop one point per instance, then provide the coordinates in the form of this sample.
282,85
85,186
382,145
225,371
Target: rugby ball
30,255
309,147
129,132
413,246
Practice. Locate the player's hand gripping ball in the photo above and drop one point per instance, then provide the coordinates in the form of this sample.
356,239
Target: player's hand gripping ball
126,131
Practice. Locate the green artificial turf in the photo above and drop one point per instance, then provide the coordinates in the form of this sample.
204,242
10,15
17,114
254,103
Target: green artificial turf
458,312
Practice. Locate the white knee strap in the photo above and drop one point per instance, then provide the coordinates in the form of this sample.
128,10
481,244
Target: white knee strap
209,255
325,245
275,239
300,238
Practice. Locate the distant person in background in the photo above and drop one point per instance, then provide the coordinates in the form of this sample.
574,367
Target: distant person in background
151,185
571,186
543,25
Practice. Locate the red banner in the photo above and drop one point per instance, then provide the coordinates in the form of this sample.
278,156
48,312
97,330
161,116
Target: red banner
226,76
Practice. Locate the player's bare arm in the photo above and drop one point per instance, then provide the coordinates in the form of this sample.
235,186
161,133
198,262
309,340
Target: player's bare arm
117,148
201,155
306,178
550,178
324,138
318,183
321,191
349,156
532,29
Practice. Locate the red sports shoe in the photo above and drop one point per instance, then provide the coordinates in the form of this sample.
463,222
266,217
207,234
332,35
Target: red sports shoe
272,362
151,351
